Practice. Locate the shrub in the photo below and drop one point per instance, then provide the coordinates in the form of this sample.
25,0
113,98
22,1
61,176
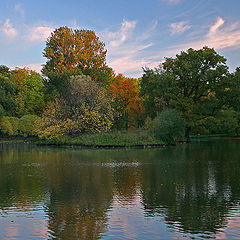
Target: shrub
6,126
15,125
27,126
169,127
84,107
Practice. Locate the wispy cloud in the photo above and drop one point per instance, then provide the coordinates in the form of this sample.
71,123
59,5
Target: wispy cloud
173,1
213,29
8,29
179,27
220,35
18,8
40,33
126,48
118,37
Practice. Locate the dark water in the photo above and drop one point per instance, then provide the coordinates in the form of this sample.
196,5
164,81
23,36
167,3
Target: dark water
183,192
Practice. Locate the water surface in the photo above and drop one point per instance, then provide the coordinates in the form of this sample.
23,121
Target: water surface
183,192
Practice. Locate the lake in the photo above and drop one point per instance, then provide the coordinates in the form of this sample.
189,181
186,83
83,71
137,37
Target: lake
183,192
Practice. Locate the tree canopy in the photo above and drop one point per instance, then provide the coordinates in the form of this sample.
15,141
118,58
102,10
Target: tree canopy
72,50
7,92
30,91
195,83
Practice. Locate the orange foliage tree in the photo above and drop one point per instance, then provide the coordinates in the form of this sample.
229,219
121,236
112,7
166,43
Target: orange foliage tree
73,50
125,92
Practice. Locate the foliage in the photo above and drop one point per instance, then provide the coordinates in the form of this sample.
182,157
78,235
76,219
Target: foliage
83,107
14,121
169,126
27,125
226,122
233,91
148,123
125,92
6,126
73,50
30,91
110,139
7,92
195,83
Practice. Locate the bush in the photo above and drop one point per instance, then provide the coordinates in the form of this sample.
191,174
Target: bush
84,107
15,125
169,127
6,126
27,126
226,122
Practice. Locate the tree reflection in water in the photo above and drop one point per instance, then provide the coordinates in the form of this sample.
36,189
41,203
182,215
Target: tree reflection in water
193,187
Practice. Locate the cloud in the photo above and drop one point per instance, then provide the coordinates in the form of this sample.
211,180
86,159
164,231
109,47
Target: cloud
179,27
18,8
220,35
126,50
40,33
127,64
37,67
8,29
213,29
173,1
118,37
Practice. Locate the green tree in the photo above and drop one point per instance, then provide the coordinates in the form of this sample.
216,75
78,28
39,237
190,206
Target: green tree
195,83
7,92
30,92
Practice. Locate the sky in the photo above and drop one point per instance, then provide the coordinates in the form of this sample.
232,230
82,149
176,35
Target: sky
136,33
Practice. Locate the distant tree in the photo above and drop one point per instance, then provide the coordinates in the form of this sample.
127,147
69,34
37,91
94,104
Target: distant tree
195,83
83,107
7,92
73,50
30,91
125,92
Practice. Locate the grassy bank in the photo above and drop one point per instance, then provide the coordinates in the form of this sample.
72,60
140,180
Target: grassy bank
113,139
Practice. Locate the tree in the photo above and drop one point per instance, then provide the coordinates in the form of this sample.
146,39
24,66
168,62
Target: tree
73,50
7,92
30,91
195,83
125,92
83,107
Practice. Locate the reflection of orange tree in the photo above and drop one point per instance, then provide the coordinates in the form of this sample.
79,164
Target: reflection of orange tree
80,196
192,191
127,180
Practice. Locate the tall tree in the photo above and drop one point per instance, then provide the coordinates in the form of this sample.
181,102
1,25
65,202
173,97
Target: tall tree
73,50
195,83
125,92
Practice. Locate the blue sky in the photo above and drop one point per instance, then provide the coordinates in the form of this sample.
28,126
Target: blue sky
137,33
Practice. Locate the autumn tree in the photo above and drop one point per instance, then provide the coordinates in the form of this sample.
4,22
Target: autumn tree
125,92
195,83
73,50
30,91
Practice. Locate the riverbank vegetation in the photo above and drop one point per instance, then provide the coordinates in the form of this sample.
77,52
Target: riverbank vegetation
79,100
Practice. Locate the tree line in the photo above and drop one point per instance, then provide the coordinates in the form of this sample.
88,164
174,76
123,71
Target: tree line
77,93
